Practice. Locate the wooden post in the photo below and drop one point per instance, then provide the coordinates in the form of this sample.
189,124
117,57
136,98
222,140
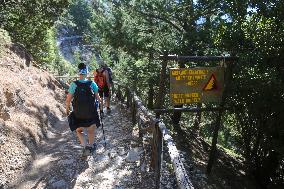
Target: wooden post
177,115
127,97
160,151
134,111
154,147
161,93
156,156
130,98
212,155
123,96
118,93
112,89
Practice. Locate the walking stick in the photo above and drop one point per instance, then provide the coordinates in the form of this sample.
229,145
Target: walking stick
102,123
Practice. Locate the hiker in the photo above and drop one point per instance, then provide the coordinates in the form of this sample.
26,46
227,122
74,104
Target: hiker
83,94
109,71
101,77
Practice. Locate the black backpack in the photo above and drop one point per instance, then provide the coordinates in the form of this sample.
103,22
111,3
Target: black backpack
109,74
84,101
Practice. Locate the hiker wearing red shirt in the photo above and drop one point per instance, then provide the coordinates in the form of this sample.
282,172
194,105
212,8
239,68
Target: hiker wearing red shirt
101,77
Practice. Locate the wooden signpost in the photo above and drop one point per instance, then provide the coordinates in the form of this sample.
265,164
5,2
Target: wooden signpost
199,85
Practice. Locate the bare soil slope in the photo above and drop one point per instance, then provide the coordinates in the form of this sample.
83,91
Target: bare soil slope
30,101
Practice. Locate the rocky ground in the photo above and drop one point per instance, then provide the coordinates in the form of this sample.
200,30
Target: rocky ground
58,163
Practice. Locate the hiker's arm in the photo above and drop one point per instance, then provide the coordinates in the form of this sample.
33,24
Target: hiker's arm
68,102
69,97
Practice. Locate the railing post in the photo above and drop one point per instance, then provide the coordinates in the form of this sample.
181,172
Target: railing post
157,155
121,95
118,92
113,91
213,150
127,98
134,111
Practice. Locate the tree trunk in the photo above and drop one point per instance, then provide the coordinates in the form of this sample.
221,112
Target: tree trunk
150,96
176,115
162,89
213,151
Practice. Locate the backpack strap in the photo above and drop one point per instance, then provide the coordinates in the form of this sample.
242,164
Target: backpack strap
87,84
77,82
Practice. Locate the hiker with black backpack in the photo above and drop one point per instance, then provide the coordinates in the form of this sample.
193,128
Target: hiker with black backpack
83,94
102,79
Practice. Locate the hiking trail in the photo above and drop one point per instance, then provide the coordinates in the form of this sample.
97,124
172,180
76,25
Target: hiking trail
58,163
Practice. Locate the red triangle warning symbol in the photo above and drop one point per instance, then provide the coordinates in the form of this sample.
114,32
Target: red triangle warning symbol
211,85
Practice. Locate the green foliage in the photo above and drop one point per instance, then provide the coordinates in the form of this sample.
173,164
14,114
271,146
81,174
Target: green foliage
256,94
77,58
28,22
4,37
76,20
4,40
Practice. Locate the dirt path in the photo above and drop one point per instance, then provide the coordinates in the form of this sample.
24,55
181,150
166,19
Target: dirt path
59,165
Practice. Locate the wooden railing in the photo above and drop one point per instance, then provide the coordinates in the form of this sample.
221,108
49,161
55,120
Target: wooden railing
160,133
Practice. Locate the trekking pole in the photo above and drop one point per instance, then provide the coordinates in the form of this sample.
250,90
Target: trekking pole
101,119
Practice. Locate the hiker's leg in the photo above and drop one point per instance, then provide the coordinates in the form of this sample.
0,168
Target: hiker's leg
91,134
107,96
101,94
107,102
80,135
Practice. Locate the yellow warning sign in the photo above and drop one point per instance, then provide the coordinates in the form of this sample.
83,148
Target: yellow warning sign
196,85
211,84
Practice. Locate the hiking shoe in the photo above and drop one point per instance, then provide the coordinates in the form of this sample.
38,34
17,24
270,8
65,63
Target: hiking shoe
94,148
87,151
84,153
101,113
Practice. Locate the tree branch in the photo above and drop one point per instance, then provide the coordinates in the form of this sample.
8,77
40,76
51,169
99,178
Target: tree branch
160,18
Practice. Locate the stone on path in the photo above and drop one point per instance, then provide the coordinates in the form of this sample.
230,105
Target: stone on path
133,155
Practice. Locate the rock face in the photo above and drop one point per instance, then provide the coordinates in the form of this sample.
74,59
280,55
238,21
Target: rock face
31,101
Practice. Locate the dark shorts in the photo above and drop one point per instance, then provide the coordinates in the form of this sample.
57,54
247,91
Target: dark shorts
75,123
104,92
